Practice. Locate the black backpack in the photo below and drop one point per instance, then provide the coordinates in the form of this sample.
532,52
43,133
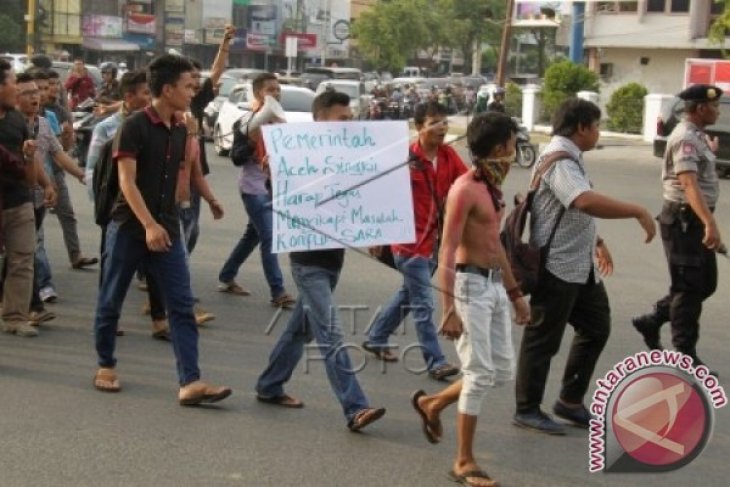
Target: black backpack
526,260
242,151
105,183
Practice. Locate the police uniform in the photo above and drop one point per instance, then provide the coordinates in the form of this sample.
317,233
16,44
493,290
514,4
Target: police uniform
692,266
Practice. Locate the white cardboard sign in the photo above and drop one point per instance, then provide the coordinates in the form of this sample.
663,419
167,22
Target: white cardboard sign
339,184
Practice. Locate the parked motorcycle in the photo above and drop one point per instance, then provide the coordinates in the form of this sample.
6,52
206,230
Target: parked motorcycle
526,151
377,108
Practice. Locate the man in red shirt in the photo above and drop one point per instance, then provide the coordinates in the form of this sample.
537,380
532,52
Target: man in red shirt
434,167
80,84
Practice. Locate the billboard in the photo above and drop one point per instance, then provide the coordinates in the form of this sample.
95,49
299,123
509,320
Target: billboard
539,13
101,26
141,23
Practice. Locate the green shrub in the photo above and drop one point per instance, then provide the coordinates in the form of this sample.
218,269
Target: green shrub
513,99
626,108
563,80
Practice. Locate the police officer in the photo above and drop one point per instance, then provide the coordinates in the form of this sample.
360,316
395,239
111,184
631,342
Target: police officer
688,228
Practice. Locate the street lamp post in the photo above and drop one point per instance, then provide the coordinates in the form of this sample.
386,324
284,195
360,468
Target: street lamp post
325,30
30,20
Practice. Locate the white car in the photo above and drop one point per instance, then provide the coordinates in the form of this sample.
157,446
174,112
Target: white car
359,97
295,100
19,62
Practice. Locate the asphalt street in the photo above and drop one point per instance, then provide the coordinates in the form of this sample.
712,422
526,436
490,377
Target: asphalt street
56,430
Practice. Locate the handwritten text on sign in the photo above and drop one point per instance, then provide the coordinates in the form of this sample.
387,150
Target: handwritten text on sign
313,162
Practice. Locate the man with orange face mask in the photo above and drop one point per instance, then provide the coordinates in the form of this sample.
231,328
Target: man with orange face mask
477,286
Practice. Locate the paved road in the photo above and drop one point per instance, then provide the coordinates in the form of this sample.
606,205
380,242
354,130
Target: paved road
57,430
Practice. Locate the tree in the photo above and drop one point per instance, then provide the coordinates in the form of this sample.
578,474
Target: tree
12,37
626,108
563,80
395,31
721,25
390,33
468,21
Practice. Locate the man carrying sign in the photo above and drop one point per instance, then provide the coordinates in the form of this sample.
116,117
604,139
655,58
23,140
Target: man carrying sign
315,315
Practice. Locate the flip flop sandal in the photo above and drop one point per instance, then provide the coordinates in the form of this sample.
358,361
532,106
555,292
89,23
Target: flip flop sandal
108,377
162,335
206,397
283,301
284,400
429,429
463,479
381,354
365,417
233,288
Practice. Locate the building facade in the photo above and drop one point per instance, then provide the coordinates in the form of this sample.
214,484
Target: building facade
134,30
647,41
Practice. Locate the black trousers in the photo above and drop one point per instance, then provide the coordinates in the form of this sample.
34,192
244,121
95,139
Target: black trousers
556,303
693,273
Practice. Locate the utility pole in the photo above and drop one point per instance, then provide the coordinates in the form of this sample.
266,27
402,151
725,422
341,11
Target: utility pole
504,48
30,20
325,31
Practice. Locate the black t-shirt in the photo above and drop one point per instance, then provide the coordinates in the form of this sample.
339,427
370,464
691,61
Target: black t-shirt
331,259
197,107
159,152
13,133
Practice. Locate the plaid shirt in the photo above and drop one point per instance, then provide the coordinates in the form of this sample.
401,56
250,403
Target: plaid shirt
573,247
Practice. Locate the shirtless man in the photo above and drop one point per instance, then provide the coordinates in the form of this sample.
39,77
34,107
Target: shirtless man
476,282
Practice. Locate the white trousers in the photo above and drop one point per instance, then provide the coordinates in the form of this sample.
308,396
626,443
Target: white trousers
485,347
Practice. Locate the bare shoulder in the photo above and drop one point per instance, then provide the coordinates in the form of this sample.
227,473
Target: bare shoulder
463,187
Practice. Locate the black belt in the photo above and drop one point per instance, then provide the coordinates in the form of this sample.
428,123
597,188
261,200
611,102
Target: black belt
675,206
481,271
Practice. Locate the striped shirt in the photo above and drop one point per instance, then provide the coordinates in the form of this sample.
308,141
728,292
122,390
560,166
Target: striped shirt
47,145
572,249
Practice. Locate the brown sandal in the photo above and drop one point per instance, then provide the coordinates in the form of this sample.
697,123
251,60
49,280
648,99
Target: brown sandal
201,393
283,301
364,417
284,400
106,380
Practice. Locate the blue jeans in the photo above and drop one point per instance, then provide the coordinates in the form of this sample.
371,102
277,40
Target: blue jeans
258,230
43,277
121,258
315,316
415,295
189,218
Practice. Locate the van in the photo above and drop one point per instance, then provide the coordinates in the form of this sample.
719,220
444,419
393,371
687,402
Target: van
19,62
672,114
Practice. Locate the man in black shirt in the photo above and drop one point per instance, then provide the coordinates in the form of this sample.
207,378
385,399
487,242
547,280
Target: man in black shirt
315,274
145,227
18,222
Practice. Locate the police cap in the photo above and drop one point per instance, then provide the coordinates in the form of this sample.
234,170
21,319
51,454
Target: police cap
701,93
